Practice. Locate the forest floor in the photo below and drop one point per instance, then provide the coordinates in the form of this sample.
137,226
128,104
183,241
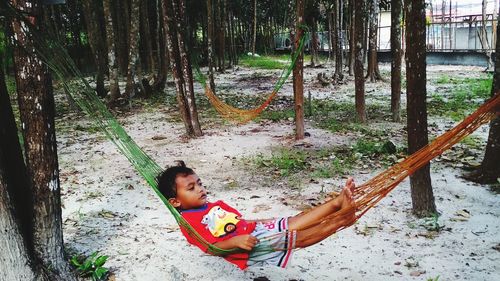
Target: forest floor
261,170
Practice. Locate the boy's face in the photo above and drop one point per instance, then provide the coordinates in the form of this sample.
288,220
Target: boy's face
190,192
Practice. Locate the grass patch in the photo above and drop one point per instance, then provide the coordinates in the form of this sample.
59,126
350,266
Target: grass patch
464,96
263,62
299,164
283,160
373,147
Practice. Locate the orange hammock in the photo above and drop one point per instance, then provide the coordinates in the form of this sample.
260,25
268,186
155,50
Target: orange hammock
236,114
371,192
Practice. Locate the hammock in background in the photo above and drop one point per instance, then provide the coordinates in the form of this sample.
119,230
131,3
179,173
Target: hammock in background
242,116
365,195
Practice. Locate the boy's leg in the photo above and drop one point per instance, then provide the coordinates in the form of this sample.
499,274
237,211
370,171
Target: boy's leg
305,220
317,233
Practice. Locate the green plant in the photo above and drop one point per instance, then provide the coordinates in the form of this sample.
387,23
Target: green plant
431,223
433,279
284,160
91,266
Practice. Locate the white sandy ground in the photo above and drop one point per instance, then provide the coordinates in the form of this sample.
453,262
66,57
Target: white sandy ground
109,208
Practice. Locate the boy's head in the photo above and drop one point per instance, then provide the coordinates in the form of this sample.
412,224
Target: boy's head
182,187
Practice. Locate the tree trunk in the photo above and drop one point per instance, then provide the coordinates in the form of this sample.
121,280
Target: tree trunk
122,16
420,181
163,65
210,36
489,171
337,22
114,89
96,40
396,60
16,255
298,74
254,40
180,65
352,36
373,70
179,8
314,43
146,38
221,35
359,79
330,14
133,85
37,110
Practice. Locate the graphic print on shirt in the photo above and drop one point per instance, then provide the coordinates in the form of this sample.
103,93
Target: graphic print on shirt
220,222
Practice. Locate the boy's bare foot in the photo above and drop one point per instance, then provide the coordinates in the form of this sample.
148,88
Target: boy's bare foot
347,191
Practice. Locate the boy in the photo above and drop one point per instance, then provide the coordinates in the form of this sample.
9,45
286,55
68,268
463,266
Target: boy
223,226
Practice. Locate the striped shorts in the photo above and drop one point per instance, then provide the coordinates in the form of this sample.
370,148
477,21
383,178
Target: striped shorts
275,245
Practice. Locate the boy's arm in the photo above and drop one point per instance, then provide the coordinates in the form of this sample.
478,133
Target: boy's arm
245,242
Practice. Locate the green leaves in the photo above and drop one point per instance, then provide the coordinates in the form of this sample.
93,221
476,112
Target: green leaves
92,266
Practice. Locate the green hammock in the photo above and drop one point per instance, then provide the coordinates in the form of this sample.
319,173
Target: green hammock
54,55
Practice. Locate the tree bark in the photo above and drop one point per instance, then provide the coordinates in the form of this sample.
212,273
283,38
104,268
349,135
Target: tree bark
16,255
359,78
96,40
373,70
254,40
337,22
162,54
37,110
298,74
179,8
210,36
352,40
180,65
221,35
114,89
122,15
396,60
133,85
420,181
489,171
149,64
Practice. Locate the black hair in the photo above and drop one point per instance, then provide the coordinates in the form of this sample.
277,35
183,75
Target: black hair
166,179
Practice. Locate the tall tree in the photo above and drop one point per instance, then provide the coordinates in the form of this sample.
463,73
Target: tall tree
373,72
359,77
134,84
489,171
174,20
93,16
298,73
37,110
210,48
352,40
396,60
18,261
337,23
254,40
114,89
416,91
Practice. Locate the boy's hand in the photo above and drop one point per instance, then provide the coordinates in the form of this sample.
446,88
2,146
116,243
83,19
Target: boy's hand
245,242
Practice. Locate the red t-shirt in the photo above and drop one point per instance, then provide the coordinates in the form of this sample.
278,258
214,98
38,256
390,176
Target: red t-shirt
217,222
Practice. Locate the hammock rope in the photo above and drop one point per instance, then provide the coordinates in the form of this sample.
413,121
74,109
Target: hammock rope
366,195
242,116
